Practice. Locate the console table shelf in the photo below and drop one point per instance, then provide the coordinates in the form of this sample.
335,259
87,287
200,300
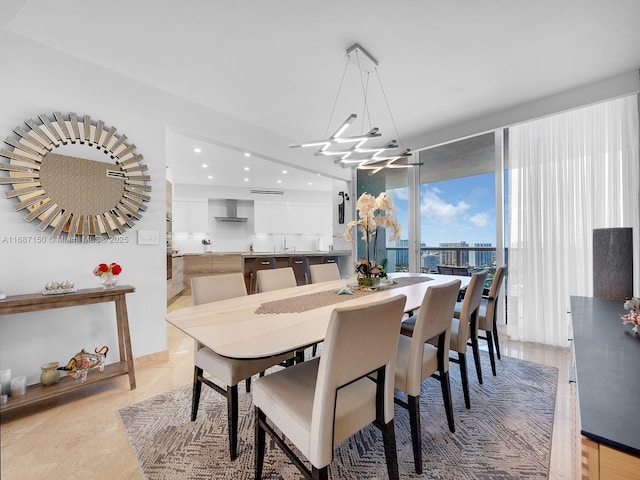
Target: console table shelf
34,302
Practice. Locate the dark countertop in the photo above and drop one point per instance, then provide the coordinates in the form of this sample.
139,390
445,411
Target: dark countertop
607,359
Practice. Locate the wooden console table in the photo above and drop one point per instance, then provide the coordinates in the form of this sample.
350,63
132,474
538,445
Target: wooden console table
34,302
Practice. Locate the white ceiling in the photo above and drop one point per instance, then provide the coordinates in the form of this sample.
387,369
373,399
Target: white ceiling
277,64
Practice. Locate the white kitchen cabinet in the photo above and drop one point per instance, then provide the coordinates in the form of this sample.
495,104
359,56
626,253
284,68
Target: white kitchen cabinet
317,220
293,219
191,216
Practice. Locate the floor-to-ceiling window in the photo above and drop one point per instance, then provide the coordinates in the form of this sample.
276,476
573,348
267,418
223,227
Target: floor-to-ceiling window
394,255
457,208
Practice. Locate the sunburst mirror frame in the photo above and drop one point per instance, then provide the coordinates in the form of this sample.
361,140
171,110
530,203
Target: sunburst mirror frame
32,167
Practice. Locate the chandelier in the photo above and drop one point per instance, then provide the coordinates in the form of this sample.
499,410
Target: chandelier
358,150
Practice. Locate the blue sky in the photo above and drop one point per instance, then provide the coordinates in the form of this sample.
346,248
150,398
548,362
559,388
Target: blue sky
453,210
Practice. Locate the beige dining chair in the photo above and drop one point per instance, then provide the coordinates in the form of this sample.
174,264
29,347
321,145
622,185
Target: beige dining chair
275,279
464,329
418,360
324,272
229,371
318,404
487,316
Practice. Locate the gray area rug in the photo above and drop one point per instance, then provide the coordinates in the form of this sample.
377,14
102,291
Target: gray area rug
506,434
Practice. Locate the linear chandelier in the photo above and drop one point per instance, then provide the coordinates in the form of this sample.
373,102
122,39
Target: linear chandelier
355,151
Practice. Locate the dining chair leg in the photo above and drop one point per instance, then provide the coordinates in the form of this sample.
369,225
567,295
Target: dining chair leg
232,420
491,354
413,404
446,397
259,436
197,388
476,358
462,361
247,384
390,450
319,473
495,338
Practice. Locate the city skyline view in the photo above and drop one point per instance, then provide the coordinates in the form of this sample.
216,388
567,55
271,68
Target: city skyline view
451,211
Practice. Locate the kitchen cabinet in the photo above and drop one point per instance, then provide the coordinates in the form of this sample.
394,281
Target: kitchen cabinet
211,264
292,218
191,216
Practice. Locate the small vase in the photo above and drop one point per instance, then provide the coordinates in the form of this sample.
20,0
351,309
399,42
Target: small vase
635,329
369,281
108,280
50,375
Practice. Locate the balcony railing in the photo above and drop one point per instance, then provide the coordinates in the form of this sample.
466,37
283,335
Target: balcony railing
397,258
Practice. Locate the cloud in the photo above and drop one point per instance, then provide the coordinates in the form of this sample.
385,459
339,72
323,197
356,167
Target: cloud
480,219
434,207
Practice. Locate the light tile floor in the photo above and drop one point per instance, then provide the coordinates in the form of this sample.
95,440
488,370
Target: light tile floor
80,436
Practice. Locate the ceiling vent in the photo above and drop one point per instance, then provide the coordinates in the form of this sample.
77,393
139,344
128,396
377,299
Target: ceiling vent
267,192
232,213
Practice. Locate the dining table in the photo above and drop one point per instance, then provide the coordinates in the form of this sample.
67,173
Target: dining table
267,324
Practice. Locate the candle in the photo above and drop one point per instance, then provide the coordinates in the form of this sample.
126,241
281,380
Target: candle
5,381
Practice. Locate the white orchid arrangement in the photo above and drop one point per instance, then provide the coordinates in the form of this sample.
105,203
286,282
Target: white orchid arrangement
374,213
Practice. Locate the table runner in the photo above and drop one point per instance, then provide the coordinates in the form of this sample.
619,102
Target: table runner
312,301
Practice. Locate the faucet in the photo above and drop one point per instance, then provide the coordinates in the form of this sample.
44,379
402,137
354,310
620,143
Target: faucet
284,245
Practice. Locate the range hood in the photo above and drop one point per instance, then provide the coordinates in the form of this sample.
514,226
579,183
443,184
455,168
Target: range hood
232,213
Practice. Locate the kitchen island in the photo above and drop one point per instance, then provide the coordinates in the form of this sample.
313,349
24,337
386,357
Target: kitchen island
216,263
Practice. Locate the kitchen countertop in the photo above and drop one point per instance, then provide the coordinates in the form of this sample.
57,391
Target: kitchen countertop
607,357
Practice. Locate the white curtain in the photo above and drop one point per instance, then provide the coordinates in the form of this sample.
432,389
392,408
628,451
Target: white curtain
568,174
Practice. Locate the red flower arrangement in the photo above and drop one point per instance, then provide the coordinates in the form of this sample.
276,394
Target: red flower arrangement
103,268
633,317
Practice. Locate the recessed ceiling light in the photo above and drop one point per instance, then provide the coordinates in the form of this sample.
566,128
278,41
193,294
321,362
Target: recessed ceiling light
279,181
246,179
310,183
284,171
204,165
246,169
197,150
247,154
210,177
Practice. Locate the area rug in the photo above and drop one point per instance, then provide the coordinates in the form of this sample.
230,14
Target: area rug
505,435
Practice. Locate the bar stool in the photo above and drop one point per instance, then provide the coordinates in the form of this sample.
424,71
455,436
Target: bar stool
262,263
300,267
332,259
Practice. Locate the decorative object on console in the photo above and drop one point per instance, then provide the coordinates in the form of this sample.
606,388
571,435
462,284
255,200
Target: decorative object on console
373,214
57,288
345,199
50,374
633,305
108,274
83,361
76,195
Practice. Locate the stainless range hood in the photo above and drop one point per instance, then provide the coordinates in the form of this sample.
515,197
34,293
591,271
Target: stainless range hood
232,213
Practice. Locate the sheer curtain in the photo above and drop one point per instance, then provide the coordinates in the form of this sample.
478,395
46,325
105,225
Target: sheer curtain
568,174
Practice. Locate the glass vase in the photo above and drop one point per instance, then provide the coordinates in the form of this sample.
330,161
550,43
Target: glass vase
108,280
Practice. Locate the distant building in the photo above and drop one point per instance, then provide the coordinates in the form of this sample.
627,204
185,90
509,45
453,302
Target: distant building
430,261
483,259
451,257
402,256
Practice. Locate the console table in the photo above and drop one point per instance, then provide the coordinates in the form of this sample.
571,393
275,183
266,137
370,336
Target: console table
34,302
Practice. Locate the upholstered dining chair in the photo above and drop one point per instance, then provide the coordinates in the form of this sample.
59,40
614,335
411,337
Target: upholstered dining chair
228,370
300,265
417,359
275,279
318,404
464,329
324,272
259,264
487,321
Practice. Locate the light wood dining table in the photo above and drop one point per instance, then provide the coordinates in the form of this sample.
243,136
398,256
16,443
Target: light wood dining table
236,328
